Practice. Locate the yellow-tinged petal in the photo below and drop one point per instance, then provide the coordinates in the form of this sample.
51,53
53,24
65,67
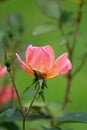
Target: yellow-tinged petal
59,65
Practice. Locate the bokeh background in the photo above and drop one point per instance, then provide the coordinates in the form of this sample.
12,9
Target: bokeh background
32,17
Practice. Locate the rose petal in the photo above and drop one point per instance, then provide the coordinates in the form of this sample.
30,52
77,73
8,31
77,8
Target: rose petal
9,92
58,65
38,58
2,70
67,66
31,54
24,66
49,50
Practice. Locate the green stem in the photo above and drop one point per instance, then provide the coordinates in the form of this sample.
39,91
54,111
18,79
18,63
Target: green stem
24,123
12,79
33,99
19,101
66,98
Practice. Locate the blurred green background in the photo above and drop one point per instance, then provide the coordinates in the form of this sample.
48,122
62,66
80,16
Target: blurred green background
56,87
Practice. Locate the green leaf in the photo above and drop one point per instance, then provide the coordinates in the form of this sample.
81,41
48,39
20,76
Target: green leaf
14,115
65,16
45,128
77,117
45,28
50,8
9,125
10,114
1,35
7,113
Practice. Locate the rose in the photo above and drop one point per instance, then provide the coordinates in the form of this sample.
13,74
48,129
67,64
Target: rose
2,70
7,93
42,60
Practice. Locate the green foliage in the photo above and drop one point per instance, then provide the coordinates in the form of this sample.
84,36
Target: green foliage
12,126
11,114
80,1
12,28
1,35
7,113
67,18
77,117
45,28
51,128
50,8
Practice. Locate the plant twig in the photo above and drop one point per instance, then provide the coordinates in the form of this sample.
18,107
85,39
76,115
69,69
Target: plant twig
66,97
78,20
71,53
32,101
12,79
19,101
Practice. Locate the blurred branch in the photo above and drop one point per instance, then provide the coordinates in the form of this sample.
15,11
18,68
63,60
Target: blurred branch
66,98
71,52
78,20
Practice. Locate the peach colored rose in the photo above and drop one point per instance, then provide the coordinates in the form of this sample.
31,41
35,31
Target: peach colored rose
42,59
2,70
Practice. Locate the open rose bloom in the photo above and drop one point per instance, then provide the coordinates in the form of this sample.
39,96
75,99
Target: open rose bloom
2,70
42,60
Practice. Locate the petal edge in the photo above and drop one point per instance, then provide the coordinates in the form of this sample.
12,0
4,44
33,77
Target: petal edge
24,66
